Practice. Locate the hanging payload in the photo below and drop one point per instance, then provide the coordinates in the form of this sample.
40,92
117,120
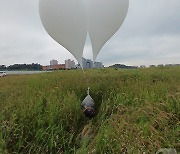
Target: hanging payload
69,21
88,106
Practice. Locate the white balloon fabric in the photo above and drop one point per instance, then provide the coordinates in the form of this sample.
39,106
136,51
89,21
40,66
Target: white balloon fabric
65,21
105,17
69,21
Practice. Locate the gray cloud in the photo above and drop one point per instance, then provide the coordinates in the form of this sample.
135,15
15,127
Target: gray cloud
149,35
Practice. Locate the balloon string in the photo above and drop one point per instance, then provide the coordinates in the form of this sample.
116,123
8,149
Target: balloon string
88,90
87,82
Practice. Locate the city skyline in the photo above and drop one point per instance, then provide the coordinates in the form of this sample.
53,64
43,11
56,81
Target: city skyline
70,64
141,66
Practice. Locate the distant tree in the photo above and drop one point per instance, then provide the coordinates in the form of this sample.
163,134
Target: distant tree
122,66
2,67
28,67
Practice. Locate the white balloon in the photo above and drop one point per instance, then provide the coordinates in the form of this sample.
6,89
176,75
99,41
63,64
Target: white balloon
65,21
69,21
105,17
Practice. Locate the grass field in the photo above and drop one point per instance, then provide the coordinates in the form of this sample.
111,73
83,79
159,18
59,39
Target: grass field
137,111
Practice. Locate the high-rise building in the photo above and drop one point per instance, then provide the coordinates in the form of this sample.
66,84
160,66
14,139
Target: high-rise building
70,64
87,63
73,64
53,62
98,65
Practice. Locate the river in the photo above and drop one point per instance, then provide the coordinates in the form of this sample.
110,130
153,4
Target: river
24,72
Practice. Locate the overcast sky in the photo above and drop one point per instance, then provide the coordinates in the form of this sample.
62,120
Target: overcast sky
149,35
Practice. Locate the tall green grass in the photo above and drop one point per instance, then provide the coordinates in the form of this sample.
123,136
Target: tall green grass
137,111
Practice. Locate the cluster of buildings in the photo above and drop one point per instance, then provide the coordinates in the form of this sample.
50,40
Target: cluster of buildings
160,65
87,63
53,66
70,64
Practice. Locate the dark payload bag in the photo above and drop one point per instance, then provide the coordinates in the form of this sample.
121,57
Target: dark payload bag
88,106
88,102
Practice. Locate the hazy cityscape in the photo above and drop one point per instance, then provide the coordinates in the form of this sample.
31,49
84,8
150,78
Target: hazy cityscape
70,64
55,65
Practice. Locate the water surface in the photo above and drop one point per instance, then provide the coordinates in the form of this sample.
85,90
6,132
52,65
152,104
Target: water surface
23,72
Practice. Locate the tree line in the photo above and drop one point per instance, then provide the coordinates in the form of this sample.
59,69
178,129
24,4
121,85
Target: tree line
122,66
28,67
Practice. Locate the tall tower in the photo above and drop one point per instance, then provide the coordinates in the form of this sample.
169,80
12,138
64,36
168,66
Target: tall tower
53,62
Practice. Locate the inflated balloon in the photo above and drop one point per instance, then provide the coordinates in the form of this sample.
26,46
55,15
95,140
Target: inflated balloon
69,21
65,21
104,18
